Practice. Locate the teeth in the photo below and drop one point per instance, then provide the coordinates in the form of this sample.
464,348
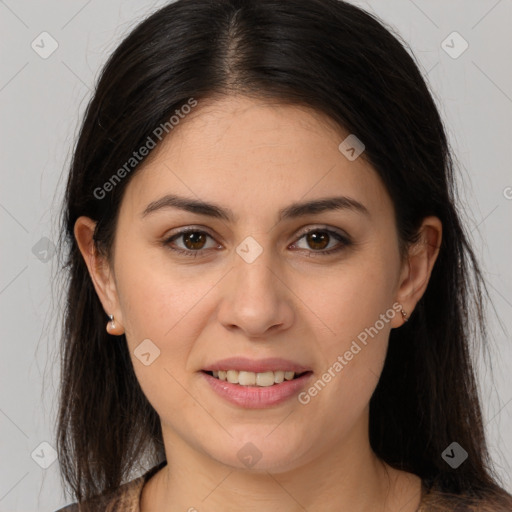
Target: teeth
232,376
279,377
263,379
249,378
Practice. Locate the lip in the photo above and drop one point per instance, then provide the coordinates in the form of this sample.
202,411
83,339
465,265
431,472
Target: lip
257,397
256,366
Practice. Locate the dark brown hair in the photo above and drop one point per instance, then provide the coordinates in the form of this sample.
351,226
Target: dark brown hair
343,62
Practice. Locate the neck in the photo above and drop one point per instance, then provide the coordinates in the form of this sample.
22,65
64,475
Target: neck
348,477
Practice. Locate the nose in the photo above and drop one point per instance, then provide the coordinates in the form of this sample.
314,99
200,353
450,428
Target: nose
256,298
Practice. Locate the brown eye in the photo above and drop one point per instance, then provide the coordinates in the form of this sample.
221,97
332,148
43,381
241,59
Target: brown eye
190,242
323,241
318,240
194,240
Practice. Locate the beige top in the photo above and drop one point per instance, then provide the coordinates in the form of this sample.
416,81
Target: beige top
126,498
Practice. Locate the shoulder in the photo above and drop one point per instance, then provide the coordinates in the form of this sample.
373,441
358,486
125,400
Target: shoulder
69,508
489,501
125,498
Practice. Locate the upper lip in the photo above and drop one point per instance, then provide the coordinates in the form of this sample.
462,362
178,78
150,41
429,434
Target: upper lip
256,365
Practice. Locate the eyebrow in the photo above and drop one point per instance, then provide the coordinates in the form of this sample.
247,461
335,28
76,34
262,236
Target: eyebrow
292,211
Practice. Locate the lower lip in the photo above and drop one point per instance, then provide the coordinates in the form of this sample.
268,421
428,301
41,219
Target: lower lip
257,397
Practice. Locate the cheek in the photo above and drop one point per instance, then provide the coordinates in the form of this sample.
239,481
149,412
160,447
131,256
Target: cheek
161,323
356,305
157,297
352,366
352,298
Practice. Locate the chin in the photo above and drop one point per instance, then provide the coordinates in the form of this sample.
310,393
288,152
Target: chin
259,452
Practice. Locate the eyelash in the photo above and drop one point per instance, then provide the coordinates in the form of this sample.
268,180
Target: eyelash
345,241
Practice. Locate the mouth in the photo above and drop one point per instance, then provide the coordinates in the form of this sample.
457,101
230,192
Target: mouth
255,379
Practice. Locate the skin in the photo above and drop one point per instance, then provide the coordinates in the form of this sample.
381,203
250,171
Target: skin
256,157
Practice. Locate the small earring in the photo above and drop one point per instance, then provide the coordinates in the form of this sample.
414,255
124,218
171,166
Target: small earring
404,315
113,325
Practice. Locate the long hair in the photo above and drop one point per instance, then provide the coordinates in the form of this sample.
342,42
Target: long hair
345,63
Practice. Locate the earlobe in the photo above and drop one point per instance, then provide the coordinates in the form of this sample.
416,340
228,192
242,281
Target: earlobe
99,270
419,264
113,327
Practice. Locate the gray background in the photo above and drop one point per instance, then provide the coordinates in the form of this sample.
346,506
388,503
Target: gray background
41,102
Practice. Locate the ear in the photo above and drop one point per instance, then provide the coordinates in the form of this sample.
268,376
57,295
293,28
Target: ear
101,274
418,265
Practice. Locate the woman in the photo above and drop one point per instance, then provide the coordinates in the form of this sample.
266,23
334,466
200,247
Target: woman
260,210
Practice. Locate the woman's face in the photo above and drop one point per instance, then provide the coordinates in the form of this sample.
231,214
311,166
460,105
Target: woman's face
252,284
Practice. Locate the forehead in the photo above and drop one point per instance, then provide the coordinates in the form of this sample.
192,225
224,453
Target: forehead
249,153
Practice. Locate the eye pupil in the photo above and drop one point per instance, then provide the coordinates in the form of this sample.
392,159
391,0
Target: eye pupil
318,237
195,238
